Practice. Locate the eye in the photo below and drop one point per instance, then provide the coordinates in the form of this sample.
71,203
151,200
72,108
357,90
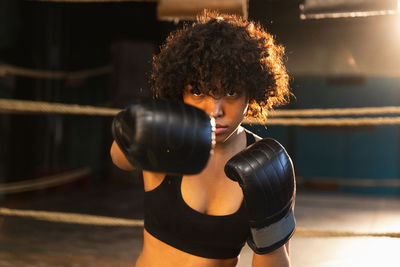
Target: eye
195,91
231,93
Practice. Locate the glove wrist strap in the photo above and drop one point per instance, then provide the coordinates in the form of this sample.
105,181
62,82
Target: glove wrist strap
271,237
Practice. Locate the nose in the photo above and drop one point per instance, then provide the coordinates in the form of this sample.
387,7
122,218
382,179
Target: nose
215,107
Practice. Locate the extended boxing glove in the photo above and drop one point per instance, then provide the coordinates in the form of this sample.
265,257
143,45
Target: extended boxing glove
265,173
166,137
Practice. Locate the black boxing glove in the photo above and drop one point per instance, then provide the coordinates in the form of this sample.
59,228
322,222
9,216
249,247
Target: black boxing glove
265,173
167,137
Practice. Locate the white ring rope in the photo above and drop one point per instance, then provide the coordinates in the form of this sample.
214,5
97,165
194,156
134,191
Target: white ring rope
37,106
6,69
306,232
93,1
64,217
83,219
23,106
44,182
336,112
329,121
358,182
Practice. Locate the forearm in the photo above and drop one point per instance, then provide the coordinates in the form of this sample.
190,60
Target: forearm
287,248
277,258
119,158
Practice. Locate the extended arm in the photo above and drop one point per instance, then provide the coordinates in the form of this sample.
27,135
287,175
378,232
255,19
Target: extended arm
276,258
119,158
265,172
162,137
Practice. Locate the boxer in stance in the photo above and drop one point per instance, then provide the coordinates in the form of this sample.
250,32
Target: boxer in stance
210,185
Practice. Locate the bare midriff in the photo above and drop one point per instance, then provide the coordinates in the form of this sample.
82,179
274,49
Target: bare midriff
156,253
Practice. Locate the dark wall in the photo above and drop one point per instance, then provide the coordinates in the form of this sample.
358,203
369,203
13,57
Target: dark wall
71,37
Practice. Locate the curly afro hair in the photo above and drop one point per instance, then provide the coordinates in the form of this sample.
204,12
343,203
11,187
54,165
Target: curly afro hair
241,53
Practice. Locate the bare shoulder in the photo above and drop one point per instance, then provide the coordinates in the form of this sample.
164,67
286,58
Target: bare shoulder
153,175
258,138
152,179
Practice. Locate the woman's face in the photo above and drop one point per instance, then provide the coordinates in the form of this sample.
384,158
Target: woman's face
228,109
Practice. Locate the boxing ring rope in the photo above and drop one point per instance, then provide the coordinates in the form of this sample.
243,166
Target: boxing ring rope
6,69
94,1
358,182
64,217
23,106
330,122
94,220
36,107
336,112
44,182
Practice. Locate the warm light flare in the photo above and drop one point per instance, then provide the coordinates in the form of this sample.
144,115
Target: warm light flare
366,252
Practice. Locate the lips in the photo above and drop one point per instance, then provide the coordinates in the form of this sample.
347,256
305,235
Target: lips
220,129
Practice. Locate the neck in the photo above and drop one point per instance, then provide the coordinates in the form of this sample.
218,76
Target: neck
232,143
223,151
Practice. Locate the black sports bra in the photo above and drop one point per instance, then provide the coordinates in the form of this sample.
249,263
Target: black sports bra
168,218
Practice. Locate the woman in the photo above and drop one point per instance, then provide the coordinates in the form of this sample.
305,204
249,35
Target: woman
230,68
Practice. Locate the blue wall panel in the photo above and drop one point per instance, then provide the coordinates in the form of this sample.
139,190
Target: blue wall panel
343,152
